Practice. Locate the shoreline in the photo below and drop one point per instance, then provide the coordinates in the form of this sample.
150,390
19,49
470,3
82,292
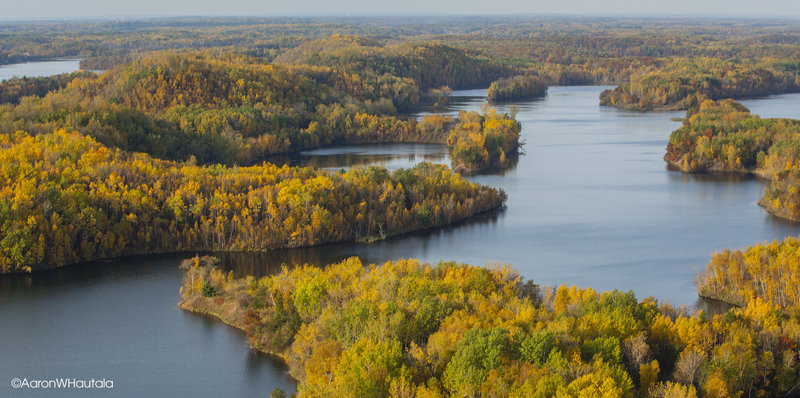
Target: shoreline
719,299
363,240
192,306
760,174
678,107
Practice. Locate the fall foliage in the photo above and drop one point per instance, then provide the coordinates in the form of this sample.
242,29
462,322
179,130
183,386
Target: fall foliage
408,329
484,140
768,271
683,83
65,198
517,87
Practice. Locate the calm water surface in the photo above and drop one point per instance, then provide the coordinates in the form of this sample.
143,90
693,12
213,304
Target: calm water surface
37,69
591,203
119,321
390,156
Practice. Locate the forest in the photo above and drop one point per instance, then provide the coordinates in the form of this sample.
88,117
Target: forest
163,152
657,64
409,329
683,83
12,91
224,109
767,271
65,198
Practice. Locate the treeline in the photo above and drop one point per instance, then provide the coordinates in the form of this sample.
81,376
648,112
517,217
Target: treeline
714,60
487,140
725,136
406,329
430,65
65,198
12,90
517,87
522,40
684,83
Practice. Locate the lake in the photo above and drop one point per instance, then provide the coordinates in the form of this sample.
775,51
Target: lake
590,203
39,69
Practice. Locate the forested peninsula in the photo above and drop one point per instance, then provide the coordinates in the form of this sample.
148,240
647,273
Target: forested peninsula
408,329
67,198
684,83
725,136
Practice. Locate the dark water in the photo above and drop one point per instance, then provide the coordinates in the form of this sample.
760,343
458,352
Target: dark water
591,203
390,156
119,321
37,69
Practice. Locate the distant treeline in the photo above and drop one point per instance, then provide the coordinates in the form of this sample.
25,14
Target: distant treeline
683,83
660,64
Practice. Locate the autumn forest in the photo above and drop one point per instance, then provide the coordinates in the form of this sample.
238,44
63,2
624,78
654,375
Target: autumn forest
166,142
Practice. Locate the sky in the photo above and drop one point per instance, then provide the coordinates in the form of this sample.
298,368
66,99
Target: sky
70,9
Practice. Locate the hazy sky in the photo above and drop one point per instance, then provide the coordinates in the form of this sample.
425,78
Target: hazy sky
55,9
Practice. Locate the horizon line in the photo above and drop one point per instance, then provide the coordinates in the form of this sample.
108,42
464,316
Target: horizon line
517,16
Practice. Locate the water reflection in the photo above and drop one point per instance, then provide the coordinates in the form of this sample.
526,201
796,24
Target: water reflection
712,307
259,264
390,156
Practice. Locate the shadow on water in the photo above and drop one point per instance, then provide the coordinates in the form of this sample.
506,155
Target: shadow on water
90,272
712,306
676,175
260,264
255,361
391,156
121,321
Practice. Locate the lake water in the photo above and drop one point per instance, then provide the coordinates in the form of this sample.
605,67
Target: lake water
37,69
120,321
590,203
